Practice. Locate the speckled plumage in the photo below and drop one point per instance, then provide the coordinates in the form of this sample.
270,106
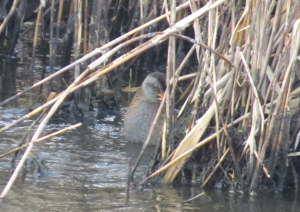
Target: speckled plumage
142,110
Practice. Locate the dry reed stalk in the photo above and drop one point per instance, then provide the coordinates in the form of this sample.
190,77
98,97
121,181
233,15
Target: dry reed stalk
77,33
256,112
35,40
178,79
184,96
197,29
43,138
201,44
193,198
170,73
55,41
9,15
164,142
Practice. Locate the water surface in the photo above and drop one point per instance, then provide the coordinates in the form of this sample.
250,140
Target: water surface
86,170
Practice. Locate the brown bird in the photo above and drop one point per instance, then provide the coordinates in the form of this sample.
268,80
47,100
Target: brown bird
142,110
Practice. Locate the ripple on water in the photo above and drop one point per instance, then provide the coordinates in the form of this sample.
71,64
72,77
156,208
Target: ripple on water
86,170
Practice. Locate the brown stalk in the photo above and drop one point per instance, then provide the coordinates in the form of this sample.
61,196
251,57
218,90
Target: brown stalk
10,14
185,94
43,138
193,198
35,40
53,45
77,33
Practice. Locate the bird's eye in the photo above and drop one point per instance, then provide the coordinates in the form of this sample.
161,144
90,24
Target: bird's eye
155,88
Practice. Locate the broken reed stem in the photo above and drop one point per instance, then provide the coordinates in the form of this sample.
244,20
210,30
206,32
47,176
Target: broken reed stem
191,40
193,198
184,96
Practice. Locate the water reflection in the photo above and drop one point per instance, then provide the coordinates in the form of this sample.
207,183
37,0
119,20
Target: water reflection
8,79
87,171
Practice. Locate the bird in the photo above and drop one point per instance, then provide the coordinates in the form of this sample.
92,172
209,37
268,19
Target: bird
143,108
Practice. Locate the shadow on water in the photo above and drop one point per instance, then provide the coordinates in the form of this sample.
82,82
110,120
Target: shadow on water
8,68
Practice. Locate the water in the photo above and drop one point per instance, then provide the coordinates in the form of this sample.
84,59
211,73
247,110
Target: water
86,170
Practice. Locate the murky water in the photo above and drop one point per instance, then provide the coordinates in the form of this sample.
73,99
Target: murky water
86,170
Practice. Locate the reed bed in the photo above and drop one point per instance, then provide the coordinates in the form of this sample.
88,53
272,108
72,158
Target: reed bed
241,114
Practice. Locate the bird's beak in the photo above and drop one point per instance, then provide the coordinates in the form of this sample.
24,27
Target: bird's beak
160,96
